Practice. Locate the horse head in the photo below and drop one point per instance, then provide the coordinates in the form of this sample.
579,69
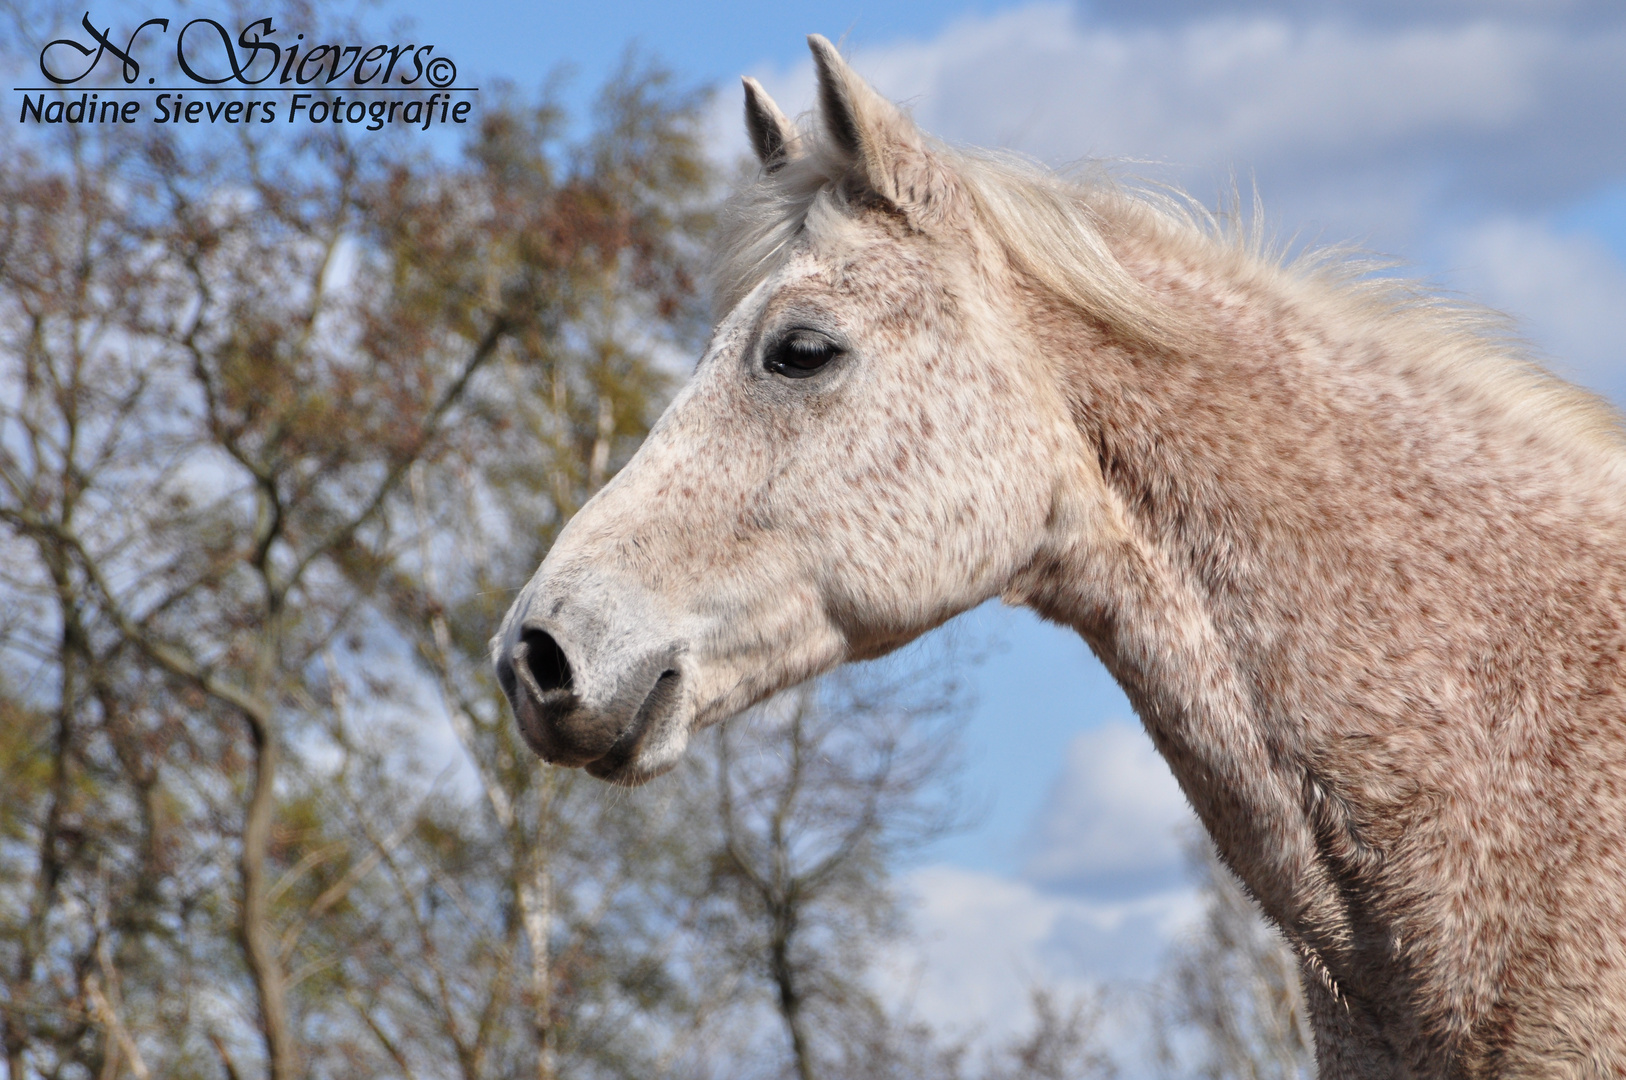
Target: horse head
867,447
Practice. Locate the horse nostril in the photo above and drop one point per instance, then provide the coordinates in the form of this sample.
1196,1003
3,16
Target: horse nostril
546,660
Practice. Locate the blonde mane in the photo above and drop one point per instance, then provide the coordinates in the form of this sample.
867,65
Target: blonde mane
1061,231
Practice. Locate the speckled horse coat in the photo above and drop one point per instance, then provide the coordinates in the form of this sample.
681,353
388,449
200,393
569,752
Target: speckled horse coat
1361,569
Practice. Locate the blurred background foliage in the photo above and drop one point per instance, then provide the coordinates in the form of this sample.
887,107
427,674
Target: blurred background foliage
284,422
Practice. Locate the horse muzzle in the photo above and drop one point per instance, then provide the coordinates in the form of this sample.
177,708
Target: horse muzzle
593,691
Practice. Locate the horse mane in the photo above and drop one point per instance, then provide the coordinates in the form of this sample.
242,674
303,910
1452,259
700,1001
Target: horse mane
1061,231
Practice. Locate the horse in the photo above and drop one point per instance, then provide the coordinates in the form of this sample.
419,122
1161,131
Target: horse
1358,563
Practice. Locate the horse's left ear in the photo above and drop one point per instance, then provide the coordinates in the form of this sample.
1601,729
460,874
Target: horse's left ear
772,134
884,146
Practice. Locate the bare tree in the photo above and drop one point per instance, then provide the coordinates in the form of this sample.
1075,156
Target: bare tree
1064,1043
818,793
259,402
1232,1007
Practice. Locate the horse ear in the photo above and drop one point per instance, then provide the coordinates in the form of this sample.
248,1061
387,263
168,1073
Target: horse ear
883,145
772,135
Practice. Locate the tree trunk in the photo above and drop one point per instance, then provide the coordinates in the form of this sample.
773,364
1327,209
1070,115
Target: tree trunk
259,943
536,908
790,1003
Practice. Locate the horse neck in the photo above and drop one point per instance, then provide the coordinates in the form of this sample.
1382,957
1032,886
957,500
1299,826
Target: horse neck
1303,450
1313,533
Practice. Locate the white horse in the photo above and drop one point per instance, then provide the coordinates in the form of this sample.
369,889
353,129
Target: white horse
1359,567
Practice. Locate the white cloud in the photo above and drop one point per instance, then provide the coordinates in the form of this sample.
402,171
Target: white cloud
1113,823
1103,896
1565,289
1368,130
1579,13
981,942
1214,90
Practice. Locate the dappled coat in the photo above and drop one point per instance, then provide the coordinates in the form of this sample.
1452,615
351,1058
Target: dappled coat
1360,567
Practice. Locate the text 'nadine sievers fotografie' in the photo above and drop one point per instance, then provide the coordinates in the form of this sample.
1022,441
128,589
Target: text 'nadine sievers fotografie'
371,86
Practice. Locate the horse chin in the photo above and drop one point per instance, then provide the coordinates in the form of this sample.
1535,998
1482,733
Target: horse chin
654,753
628,773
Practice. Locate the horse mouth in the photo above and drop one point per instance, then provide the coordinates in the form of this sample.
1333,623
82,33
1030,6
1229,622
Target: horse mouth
619,765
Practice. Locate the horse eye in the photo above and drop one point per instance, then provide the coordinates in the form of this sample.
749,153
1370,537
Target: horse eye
800,355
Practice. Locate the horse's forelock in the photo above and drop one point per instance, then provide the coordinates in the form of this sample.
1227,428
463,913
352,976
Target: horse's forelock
1049,228
761,221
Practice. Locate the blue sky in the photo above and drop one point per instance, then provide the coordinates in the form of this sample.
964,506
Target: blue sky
706,43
